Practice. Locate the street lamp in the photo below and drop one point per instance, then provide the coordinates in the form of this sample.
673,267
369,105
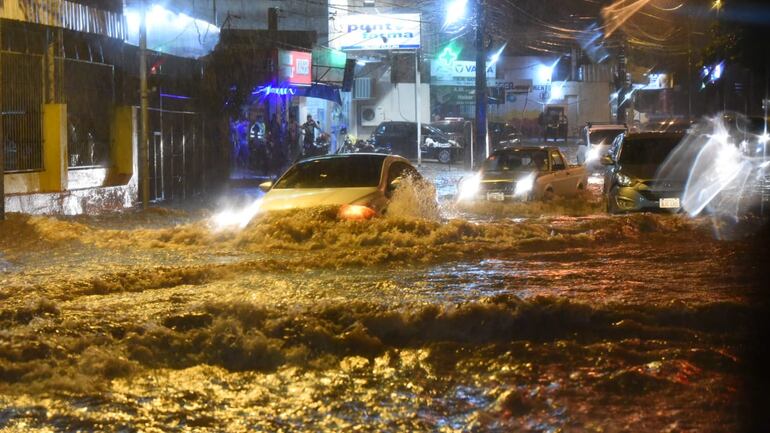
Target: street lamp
455,12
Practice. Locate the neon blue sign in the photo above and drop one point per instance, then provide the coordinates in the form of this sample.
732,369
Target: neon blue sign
270,90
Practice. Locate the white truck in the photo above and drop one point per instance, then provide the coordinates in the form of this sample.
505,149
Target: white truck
524,173
595,141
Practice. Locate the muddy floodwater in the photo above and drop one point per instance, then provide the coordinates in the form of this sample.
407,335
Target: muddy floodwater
527,318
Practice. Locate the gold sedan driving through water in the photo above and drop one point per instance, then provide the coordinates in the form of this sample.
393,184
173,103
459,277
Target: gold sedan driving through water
361,184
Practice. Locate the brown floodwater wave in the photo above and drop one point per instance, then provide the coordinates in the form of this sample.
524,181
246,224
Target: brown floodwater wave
380,241
501,358
302,322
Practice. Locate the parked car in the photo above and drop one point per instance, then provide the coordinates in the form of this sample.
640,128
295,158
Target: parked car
401,137
503,134
595,142
456,128
630,183
361,184
524,173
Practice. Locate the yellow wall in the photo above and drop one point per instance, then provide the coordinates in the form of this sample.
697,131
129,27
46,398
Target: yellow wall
122,149
54,175
16,183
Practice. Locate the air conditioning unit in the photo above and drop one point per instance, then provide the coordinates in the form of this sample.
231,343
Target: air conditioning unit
362,88
371,115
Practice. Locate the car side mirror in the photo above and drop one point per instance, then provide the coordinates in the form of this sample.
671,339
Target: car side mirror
394,184
607,160
265,186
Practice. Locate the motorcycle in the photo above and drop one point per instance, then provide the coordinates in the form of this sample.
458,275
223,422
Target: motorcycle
362,146
319,147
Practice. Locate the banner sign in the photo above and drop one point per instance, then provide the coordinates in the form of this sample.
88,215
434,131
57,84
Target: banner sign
65,14
295,67
457,72
375,32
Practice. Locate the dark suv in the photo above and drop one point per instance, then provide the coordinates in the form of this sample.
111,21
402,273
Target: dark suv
401,138
631,182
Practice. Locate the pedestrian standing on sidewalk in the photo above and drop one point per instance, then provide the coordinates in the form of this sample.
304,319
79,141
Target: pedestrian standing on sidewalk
293,133
308,129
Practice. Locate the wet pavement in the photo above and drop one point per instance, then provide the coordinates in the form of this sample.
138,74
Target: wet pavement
523,317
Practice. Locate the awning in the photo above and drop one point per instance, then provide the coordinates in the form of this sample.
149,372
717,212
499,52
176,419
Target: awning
321,91
65,14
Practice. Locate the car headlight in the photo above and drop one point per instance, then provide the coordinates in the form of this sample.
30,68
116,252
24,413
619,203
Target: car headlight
524,185
624,180
469,187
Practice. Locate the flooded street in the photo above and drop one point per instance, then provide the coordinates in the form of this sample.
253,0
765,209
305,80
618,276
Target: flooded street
485,319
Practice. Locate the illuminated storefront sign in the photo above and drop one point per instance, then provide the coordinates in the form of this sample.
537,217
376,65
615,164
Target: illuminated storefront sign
275,90
457,72
375,32
295,67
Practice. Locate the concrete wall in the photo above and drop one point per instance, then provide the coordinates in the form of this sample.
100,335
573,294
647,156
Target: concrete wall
397,103
584,101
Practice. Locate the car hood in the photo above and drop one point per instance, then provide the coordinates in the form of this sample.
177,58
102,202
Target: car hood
509,175
297,198
640,171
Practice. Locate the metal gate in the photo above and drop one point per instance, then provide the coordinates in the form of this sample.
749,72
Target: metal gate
21,111
175,154
89,92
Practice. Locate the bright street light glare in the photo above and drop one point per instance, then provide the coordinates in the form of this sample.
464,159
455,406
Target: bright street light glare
496,56
544,73
455,12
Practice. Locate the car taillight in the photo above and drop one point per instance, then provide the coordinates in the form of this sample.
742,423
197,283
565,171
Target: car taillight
356,212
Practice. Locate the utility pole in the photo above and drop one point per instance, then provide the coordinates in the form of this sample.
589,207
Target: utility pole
144,154
481,78
2,133
689,68
417,105
622,83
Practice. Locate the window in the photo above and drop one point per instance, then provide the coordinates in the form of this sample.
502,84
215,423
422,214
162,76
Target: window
354,171
511,160
557,162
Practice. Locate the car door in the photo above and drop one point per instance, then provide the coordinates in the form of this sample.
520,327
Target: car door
562,179
409,140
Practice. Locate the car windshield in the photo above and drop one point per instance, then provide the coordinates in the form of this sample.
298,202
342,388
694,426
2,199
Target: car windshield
652,151
450,127
432,130
604,136
534,159
350,172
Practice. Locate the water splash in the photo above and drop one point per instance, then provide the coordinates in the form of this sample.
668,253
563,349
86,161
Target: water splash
724,160
236,218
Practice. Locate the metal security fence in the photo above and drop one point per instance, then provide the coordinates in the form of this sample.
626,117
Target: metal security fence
89,91
21,106
176,154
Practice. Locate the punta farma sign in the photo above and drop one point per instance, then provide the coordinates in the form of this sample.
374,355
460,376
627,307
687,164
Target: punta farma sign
375,32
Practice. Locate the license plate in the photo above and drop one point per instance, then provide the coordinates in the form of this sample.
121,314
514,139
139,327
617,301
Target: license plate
669,203
495,196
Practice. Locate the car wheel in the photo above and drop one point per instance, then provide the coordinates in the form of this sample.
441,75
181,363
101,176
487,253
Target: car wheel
548,195
612,207
444,156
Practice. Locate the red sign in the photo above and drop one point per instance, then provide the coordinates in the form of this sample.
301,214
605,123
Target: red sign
295,67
